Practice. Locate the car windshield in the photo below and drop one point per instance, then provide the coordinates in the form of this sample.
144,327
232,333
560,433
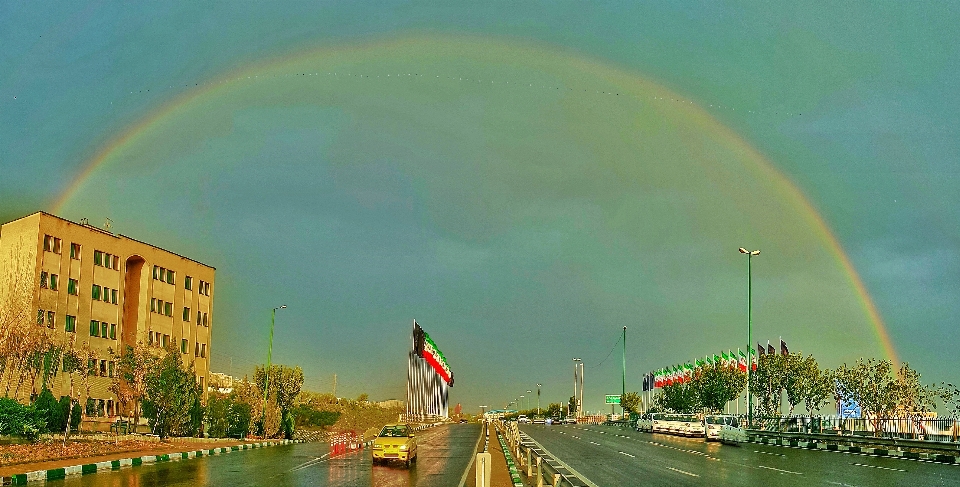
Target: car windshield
394,431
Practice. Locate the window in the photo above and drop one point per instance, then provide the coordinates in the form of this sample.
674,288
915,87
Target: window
43,280
97,258
95,294
168,309
150,342
40,315
166,340
51,319
91,366
204,288
156,272
110,369
201,383
54,282
163,274
113,296
153,305
71,324
186,314
75,251
113,331
196,350
73,287
188,283
171,277
51,244
183,345
103,368
203,350
103,329
205,323
94,328
199,318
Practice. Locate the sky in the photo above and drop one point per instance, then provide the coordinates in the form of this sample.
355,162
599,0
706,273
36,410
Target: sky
522,178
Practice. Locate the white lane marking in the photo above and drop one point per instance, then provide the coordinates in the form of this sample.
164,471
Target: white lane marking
881,468
564,465
682,471
768,453
574,436
463,478
310,463
627,454
598,444
778,470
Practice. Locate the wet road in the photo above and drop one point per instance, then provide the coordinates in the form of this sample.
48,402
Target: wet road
444,453
611,456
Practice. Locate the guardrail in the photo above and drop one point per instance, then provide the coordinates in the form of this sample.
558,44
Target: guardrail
536,463
898,443
914,428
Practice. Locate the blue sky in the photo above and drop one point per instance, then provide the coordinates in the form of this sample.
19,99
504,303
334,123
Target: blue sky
857,105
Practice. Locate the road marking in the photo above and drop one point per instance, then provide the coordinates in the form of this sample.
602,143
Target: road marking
682,471
564,465
881,468
595,443
473,458
627,454
778,470
574,436
768,453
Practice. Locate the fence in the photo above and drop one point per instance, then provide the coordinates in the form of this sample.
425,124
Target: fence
534,462
927,429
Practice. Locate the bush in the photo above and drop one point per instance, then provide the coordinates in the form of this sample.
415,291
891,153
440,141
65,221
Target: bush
19,420
49,407
227,417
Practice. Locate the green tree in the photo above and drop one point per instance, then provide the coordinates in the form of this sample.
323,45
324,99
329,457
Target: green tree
821,387
715,385
48,406
170,392
130,381
768,384
554,410
285,385
630,402
677,398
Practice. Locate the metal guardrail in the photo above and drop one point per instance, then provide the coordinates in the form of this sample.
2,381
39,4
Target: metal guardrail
899,443
536,463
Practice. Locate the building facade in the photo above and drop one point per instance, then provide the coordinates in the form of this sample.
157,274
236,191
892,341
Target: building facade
89,289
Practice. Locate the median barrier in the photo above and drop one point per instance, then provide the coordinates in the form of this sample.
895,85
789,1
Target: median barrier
534,462
943,452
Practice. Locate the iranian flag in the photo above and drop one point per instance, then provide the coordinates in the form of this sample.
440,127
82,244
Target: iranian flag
428,350
742,362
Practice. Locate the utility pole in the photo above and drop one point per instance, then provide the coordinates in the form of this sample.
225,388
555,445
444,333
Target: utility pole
538,399
750,255
266,388
334,386
623,380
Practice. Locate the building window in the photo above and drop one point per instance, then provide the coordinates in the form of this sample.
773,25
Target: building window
188,283
150,342
73,287
205,323
183,345
43,280
165,341
201,383
71,324
94,328
95,294
199,318
110,369
203,350
75,251
40,314
168,309
153,305
171,277
51,319
113,296
103,368
51,244
103,329
196,349
156,272
54,282
91,366
97,258
186,314
113,331
204,288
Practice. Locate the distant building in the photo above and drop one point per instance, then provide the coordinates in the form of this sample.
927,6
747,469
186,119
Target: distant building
391,404
221,383
88,288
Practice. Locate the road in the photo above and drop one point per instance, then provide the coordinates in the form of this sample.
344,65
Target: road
611,456
444,453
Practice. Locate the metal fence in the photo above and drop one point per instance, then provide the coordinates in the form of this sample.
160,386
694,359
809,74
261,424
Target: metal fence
918,428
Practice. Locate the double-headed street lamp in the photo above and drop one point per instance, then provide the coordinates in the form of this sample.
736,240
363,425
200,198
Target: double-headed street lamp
749,254
538,399
266,388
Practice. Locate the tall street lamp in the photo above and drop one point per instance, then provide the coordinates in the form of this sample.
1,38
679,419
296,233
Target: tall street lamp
521,401
576,399
749,254
266,388
538,399
623,378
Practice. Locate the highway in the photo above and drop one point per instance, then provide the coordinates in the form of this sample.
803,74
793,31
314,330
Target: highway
613,456
444,453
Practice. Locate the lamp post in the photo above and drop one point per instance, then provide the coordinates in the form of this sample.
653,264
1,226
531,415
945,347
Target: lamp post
749,254
266,387
576,399
538,399
521,401
623,379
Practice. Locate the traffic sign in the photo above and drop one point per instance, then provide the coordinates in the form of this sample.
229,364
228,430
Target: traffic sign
612,399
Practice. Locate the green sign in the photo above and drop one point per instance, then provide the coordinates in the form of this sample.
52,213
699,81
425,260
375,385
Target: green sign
612,399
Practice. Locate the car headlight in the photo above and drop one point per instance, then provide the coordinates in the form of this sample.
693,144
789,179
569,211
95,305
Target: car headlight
403,447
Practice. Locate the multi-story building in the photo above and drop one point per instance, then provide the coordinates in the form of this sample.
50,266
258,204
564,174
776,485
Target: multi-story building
87,288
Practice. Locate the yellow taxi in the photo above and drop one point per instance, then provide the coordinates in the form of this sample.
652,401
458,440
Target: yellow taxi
395,442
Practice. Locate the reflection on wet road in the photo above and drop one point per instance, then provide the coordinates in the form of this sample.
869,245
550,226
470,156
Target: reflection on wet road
444,453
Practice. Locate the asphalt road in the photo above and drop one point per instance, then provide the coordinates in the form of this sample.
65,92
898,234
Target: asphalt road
611,456
444,453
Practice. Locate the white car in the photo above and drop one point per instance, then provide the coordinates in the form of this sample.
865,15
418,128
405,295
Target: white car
732,435
523,419
713,423
645,423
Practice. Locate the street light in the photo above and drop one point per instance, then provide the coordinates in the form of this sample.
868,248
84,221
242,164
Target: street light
266,388
521,401
576,399
749,255
538,399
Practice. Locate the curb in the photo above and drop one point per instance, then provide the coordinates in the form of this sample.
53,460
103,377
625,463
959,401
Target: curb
514,474
90,468
873,452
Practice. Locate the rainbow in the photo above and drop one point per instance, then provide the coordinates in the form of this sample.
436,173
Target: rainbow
734,141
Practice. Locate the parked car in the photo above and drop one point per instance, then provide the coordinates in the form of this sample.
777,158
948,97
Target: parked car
539,420
395,442
714,422
732,435
523,419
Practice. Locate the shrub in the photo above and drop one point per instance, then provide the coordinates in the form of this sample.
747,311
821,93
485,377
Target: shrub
19,420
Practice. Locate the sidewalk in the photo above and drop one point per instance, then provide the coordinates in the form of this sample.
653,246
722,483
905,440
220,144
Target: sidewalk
499,471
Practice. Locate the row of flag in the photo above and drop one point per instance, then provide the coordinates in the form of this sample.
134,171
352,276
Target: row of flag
678,374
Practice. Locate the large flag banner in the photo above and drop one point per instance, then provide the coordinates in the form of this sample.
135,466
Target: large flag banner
429,351
783,348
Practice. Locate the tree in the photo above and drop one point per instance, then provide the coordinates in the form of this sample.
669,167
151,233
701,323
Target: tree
715,385
170,394
768,384
820,388
554,410
677,398
130,381
630,402
572,406
285,385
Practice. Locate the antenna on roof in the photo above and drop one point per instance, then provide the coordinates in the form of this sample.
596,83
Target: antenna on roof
107,224
84,221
